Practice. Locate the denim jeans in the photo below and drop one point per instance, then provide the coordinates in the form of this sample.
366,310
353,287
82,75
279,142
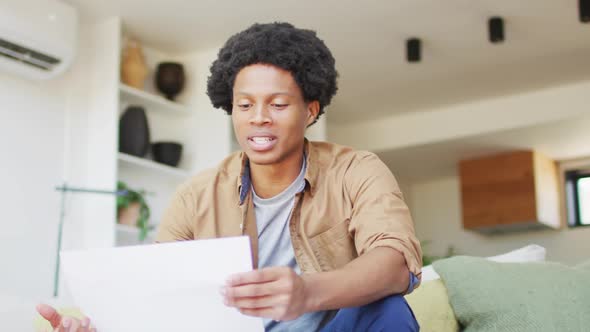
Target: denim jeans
388,314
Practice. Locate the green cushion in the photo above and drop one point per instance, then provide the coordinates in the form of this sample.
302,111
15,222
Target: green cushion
430,304
490,296
584,265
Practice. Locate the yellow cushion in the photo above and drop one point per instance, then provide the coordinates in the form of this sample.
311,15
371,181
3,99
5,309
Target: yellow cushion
430,303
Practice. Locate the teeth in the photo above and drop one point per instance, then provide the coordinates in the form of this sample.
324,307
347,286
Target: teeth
261,140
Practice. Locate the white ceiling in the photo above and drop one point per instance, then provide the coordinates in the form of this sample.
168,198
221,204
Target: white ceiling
546,43
560,140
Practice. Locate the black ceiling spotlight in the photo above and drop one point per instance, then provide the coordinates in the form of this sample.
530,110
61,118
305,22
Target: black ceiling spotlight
413,51
496,29
584,11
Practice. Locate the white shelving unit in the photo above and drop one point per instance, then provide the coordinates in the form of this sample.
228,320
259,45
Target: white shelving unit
147,164
167,120
152,102
185,120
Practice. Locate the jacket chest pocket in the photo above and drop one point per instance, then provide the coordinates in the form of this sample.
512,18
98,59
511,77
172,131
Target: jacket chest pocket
334,247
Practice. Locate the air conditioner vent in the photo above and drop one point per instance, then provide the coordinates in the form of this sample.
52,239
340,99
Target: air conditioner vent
38,38
26,55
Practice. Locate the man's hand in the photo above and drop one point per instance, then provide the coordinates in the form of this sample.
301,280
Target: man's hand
60,323
277,293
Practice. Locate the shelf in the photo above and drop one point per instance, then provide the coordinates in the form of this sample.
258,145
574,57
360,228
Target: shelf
152,165
151,101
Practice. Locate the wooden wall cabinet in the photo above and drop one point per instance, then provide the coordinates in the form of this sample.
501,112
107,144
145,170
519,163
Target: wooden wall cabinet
510,192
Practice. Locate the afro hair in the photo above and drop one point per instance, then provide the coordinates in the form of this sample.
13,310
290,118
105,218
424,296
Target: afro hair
282,45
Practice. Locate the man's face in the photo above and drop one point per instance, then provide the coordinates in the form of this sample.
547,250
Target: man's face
269,114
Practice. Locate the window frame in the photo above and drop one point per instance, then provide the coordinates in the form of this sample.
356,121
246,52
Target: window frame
572,179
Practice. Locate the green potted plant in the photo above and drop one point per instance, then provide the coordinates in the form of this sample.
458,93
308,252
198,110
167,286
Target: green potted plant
133,210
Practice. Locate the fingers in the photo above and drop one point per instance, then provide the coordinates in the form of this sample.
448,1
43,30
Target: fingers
276,293
73,325
50,314
251,302
70,324
250,290
63,324
255,289
257,276
259,288
85,325
278,313
257,302
259,312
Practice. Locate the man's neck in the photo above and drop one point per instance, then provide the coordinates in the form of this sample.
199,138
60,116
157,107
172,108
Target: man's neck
270,180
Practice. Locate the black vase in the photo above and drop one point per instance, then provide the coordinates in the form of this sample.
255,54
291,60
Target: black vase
168,153
170,79
134,132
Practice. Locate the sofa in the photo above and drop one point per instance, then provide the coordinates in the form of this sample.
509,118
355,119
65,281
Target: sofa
517,291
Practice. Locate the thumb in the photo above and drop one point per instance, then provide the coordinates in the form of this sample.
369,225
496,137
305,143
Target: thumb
50,314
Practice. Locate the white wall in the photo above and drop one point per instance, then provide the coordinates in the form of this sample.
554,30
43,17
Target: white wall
91,142
31,163
50,132
451,122
436,208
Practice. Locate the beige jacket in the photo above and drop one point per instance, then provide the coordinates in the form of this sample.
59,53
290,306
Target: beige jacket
351,204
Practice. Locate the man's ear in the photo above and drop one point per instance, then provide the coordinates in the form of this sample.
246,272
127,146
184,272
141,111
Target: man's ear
313,109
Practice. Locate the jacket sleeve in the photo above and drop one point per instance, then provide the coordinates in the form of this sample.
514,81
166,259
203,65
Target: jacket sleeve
380,217
176,224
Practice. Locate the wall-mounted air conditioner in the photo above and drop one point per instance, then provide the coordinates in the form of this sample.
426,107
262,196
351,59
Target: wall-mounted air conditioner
37,37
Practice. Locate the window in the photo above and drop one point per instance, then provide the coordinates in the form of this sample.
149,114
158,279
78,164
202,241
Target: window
578,197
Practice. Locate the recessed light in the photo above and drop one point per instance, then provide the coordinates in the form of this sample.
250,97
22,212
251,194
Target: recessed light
496,29
413,50
584,6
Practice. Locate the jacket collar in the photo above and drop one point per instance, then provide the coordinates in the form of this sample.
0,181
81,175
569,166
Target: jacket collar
244,182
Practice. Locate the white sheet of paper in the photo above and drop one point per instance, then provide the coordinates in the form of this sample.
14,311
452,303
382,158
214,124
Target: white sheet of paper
159,287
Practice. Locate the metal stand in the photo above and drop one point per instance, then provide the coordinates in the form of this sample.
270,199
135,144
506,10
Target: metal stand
64,189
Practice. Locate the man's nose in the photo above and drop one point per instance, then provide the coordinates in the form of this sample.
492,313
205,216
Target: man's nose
260,115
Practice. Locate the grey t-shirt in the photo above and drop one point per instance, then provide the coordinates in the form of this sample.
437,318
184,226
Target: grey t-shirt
275,248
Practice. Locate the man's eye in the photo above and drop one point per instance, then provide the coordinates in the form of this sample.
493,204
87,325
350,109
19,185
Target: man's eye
244,106
279,105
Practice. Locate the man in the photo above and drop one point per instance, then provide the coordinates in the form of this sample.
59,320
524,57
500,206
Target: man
332,240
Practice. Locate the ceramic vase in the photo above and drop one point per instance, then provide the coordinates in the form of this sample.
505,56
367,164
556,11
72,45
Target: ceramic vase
168,153
134,132
133,68
170,79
